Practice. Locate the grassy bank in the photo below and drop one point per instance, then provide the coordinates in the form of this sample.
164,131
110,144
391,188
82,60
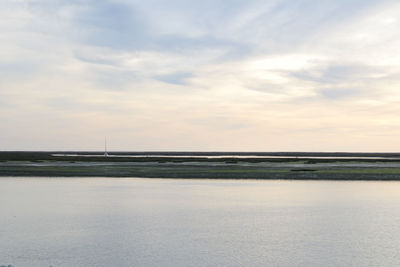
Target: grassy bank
45,164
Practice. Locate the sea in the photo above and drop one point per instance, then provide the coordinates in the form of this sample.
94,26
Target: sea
188,222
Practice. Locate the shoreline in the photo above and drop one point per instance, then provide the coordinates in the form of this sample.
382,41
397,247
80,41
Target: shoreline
43,164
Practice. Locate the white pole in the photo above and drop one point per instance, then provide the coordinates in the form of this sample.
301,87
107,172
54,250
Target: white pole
105,147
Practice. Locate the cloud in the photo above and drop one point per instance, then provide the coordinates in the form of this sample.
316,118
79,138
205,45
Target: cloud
175,78
200,74
336,94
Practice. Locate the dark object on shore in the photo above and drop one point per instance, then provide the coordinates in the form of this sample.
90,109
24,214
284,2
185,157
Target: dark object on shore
303,170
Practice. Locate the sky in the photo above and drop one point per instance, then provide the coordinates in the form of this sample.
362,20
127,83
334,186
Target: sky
210,75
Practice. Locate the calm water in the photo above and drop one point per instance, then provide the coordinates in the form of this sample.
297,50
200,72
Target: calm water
153,222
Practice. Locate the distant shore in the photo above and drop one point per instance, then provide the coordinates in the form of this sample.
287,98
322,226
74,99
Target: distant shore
207,165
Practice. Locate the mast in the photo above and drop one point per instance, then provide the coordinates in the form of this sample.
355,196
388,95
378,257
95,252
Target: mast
105,147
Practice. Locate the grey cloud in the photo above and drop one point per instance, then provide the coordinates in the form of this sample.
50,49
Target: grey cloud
113,80
179,78
338,93
138,25
334,73
28,67
338,82
329,82
93,59
110,24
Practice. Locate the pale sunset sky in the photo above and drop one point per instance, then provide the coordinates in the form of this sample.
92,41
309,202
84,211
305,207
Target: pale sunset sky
210,75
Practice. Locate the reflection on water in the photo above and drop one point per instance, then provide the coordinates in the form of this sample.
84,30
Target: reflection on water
155,222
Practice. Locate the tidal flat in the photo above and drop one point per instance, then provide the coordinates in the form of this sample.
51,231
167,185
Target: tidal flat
302,166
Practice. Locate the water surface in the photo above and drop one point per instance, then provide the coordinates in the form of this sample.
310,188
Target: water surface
161,222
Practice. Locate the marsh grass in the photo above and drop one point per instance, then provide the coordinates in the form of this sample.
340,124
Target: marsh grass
43,164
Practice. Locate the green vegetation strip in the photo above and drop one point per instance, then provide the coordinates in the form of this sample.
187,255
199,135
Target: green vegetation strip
55,169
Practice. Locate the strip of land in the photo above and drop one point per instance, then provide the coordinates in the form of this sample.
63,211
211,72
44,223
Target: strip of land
214,165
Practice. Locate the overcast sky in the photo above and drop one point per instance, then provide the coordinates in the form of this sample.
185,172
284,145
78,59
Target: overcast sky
210,75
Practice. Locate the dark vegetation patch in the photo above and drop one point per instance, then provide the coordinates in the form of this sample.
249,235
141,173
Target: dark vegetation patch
303,170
